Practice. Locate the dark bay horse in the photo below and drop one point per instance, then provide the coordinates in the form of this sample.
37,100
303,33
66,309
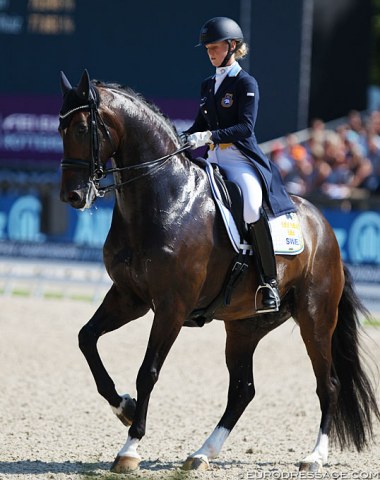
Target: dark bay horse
167,250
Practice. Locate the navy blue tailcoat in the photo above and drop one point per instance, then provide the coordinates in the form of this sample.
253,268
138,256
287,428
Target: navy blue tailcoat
230,114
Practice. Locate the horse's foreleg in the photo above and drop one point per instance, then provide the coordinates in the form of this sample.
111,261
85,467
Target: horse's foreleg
162,337
112,314
240,346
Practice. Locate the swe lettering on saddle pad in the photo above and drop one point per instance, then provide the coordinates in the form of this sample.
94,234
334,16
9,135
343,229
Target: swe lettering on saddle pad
286,230
286,234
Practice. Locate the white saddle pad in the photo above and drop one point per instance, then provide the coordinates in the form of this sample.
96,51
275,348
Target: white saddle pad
286,230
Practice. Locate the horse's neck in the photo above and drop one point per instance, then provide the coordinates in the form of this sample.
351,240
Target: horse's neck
146,134
162,196
148,137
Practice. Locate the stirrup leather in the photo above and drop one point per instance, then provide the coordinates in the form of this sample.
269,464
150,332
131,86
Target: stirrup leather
276,297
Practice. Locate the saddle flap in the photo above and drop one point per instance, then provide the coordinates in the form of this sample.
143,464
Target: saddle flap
232,198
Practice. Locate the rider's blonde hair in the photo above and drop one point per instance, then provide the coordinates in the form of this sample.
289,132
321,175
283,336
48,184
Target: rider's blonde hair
241,50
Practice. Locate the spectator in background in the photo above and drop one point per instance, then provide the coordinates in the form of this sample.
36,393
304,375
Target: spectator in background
295,164
373,155
318,133
279,157
373,152
337,181
355,122
298,180
337,163
360,167
317,125
356,128
321,169
374,123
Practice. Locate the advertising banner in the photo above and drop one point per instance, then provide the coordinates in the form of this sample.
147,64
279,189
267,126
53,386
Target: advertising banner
23,231
358,234
29,129
26,220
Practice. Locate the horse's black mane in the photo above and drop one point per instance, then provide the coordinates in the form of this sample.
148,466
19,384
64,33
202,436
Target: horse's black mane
139,96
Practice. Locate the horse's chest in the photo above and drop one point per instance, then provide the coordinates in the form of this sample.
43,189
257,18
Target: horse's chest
128,269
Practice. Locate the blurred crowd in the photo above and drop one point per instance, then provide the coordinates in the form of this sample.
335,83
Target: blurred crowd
343,162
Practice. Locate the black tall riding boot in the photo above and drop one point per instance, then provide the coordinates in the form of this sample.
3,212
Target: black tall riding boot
266,264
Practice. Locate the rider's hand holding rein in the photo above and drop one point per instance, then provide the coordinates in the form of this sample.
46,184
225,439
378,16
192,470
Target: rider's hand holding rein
199,139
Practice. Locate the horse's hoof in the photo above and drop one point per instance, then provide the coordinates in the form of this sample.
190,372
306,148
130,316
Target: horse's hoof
125,464
313,467
128,408
196,463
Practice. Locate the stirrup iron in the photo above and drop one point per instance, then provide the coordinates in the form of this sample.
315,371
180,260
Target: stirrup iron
276,297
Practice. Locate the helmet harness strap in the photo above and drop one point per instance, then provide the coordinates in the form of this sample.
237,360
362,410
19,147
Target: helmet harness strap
229,54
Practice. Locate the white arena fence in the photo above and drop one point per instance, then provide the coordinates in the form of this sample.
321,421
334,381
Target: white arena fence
89,282
50,279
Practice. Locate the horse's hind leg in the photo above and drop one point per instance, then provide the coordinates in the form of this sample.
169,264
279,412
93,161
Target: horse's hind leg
316,332
240,346
115,311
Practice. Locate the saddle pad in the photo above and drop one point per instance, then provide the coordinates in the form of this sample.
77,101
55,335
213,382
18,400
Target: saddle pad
286,234
286,230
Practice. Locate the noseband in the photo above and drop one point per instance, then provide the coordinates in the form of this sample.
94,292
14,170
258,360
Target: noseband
97,170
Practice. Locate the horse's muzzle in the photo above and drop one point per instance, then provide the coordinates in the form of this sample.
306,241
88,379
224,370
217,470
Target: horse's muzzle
76,198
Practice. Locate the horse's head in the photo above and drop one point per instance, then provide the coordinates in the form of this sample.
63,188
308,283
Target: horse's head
87,143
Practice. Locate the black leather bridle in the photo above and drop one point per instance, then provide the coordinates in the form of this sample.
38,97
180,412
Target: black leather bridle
94,164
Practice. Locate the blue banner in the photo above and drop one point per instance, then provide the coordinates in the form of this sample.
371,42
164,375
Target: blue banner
21,230
84,232
358,235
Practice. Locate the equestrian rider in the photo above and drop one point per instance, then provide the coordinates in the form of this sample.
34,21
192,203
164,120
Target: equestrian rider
225,123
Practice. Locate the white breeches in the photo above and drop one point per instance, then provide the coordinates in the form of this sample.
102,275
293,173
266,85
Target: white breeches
240,170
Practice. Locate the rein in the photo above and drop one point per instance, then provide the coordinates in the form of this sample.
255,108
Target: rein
97,170
153,164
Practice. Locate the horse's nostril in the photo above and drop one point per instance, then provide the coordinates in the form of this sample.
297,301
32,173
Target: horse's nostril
73,197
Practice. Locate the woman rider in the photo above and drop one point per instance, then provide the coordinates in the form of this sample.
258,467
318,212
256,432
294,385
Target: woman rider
225,122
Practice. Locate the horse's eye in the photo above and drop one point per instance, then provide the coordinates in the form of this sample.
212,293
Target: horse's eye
82,129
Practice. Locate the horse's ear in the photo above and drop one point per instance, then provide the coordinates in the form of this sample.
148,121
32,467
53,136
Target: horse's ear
65,84
83,89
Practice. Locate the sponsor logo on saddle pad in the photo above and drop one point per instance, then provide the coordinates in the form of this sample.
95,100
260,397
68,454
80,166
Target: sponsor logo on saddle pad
286,234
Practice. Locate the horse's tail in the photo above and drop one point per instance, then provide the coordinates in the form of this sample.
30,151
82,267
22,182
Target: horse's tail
357,404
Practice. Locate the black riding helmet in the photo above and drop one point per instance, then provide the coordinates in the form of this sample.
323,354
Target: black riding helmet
218,29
